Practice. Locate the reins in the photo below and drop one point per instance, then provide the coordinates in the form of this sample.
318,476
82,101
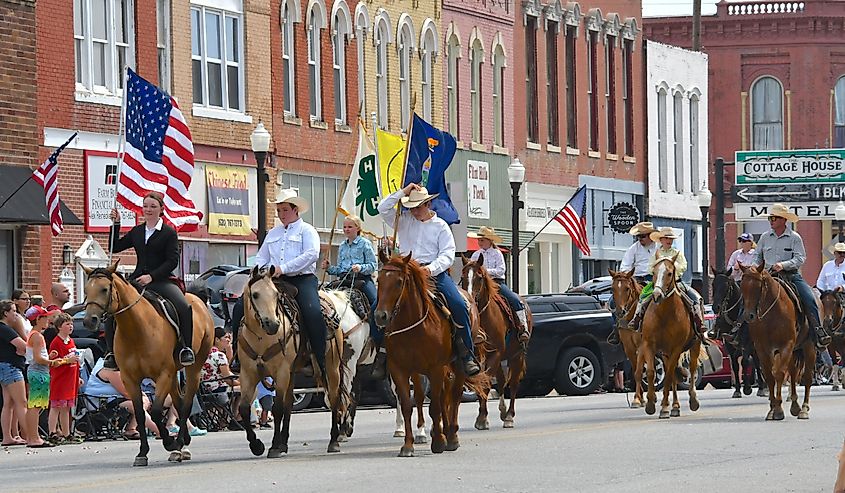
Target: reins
763,291
395,311
111,295
274,349
724,312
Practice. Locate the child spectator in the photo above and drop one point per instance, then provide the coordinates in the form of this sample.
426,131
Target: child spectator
38,374
64,381
266,392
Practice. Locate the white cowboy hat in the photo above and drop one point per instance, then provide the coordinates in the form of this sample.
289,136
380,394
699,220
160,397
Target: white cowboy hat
664,232
642,229
290,196
781,210
417,198
485,232
839,247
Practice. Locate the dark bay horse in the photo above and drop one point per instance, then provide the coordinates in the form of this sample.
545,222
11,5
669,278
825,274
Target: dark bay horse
144,346
499,340
833,318
418,338
727,303
668,330
781,337
626,293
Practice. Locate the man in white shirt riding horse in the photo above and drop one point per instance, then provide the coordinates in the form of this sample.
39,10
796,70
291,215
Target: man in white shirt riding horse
637,257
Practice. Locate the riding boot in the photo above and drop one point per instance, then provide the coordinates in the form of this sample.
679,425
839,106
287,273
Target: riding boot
186,329
698,318
109,361
613,338
379,369
822,337
524,335
467,353
634,324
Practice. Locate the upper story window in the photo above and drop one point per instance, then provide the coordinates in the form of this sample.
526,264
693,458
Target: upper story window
678,120
839,113
767,114
453,54
163,44
571,88
341,29
289,17
362,24
381,38
531,106
405,47
476,60
316,22
627,94
499,64
552,83
610,91
104,33
662,157
216,54
592,89
428,50
695,184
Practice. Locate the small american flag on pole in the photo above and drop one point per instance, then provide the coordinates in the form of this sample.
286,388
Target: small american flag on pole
158,154
573,218
46,176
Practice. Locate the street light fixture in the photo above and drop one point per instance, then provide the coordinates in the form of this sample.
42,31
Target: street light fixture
516,175
840,218
260,140
704,199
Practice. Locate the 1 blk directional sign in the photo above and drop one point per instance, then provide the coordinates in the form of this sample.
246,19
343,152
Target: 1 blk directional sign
805,192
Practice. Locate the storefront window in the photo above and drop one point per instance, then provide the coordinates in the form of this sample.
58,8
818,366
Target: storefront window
321,193
534,272
556,269
7,263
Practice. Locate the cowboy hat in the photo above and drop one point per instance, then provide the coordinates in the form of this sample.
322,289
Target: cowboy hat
839,247
417,198
642,229
290,196
485,232
664,232
780,210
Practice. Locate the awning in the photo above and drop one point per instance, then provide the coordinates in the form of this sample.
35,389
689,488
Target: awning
27,206
472,245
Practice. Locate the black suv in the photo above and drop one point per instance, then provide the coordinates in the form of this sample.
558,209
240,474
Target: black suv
568,349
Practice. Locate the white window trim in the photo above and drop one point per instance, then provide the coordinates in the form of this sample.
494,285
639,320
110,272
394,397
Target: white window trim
339,71
163,10
362,26
453,55
782,111
381,38
220,114
289,53
315,62
476,57
662,144
678,140
111,94
223,62
497,98
405,48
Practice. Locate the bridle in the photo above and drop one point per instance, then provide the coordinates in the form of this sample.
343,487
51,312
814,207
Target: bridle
274,349
622,310
254,310
477,272
395,311
724,310
111,296
840,301
763,291
672,281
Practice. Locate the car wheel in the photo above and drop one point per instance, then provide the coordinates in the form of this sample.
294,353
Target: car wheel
301,401
577,372
659,375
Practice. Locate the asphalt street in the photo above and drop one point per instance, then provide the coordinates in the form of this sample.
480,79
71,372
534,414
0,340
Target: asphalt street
561,444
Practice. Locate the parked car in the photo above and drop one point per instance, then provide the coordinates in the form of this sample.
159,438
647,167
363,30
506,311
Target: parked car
213,283
599,288
568,349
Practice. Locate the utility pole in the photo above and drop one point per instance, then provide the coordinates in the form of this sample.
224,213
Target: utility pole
696,25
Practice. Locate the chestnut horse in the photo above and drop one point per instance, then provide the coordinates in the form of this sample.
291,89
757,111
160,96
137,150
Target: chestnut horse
781,337
667,329
496,341
418,339
144,346
626,293
833,318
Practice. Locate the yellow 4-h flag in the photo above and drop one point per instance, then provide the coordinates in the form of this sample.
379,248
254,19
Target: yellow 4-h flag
391,159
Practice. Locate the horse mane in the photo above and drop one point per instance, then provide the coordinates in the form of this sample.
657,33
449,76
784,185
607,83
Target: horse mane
491,285
423,282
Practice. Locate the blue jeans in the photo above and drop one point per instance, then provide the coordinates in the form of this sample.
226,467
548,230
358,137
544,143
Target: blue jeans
457,306
513,298
806,295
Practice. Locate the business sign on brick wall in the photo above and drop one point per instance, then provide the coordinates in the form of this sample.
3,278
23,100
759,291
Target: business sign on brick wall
478,189
228,200
100,176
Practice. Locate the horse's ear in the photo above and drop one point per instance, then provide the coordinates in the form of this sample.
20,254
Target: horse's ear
761,267
464,259
271,271
113,266
630,273
480,260
611,272
838,288
383,258
714,271
675,257
87,270
254,272
407,258
741,267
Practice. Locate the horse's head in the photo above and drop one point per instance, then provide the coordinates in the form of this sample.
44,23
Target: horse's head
474,276
261,295
99,294
753,287
624,288
395,276
832,310
664,278
725,289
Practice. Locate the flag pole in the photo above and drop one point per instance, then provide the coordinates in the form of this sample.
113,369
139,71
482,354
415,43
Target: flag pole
121,141
404,168
550,220
16,190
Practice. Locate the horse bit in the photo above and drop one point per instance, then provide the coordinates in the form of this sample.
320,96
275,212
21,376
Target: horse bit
395,310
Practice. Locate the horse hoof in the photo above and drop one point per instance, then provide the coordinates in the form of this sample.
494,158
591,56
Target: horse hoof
186,454
778,415
256,447
508,423
694,404
650,408
770,415
398,434
737,394
636,404
275,453
452,446
664,414
503,416
420,439
835,388
764,392
342,438
794,409
482,424
406,452
804,415
747,390
334,447
175,456
140,461
675,413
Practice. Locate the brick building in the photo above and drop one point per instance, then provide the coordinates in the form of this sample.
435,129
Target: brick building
579,121
776,82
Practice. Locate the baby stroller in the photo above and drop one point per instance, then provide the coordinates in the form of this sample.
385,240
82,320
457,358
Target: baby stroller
99,418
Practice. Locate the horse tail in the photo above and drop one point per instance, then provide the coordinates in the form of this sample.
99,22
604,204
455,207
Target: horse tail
479,383
798,360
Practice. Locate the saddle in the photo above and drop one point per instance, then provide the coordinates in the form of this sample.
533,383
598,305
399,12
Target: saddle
354,288
163,306
792,292
507,310
289,306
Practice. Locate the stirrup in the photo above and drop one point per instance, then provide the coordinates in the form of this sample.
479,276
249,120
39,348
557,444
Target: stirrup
186,356
109,362
471,367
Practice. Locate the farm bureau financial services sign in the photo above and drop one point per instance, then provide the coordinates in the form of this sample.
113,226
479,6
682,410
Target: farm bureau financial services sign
792,166
228,200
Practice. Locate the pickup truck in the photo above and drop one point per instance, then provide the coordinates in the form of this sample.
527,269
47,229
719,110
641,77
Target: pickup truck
568,350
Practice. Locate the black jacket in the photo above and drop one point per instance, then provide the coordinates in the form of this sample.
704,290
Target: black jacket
158,257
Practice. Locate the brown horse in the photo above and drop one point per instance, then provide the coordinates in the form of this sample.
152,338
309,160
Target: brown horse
144,346
626,293
833,318
781,337
667,330
418,338
496,341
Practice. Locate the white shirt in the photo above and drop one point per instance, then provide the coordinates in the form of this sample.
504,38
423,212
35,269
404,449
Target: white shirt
295,248
831,276
149,232
430,242
746,259
638,257
494,261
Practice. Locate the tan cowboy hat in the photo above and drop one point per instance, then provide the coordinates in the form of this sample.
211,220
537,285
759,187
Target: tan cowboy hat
781,210
664,232
839,247
417,198
485,232
290,196
642,229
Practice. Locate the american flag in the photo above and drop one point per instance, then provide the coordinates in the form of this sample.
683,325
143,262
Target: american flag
158,155
573,218
45,176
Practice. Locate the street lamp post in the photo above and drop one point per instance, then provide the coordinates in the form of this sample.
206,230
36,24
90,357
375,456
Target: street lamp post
704,199
260,140
840,220
516,175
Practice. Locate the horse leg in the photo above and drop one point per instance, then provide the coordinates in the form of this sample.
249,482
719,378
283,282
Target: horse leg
501,385
778,375
399,431
516,369
419,398
481,422
748,366
736,368
335,388
436,410
794,408
249,379
645,357
452,406
281,412
349,423
670,362
809,364
134,392
695,351
763,386
192,382
403,394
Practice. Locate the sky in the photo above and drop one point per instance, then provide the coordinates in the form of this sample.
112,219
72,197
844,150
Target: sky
653,8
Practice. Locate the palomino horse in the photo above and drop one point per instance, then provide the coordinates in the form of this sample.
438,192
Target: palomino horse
626,293
144,346
270,347
418,338
667,330
727,301
499,340
833,318
781,337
